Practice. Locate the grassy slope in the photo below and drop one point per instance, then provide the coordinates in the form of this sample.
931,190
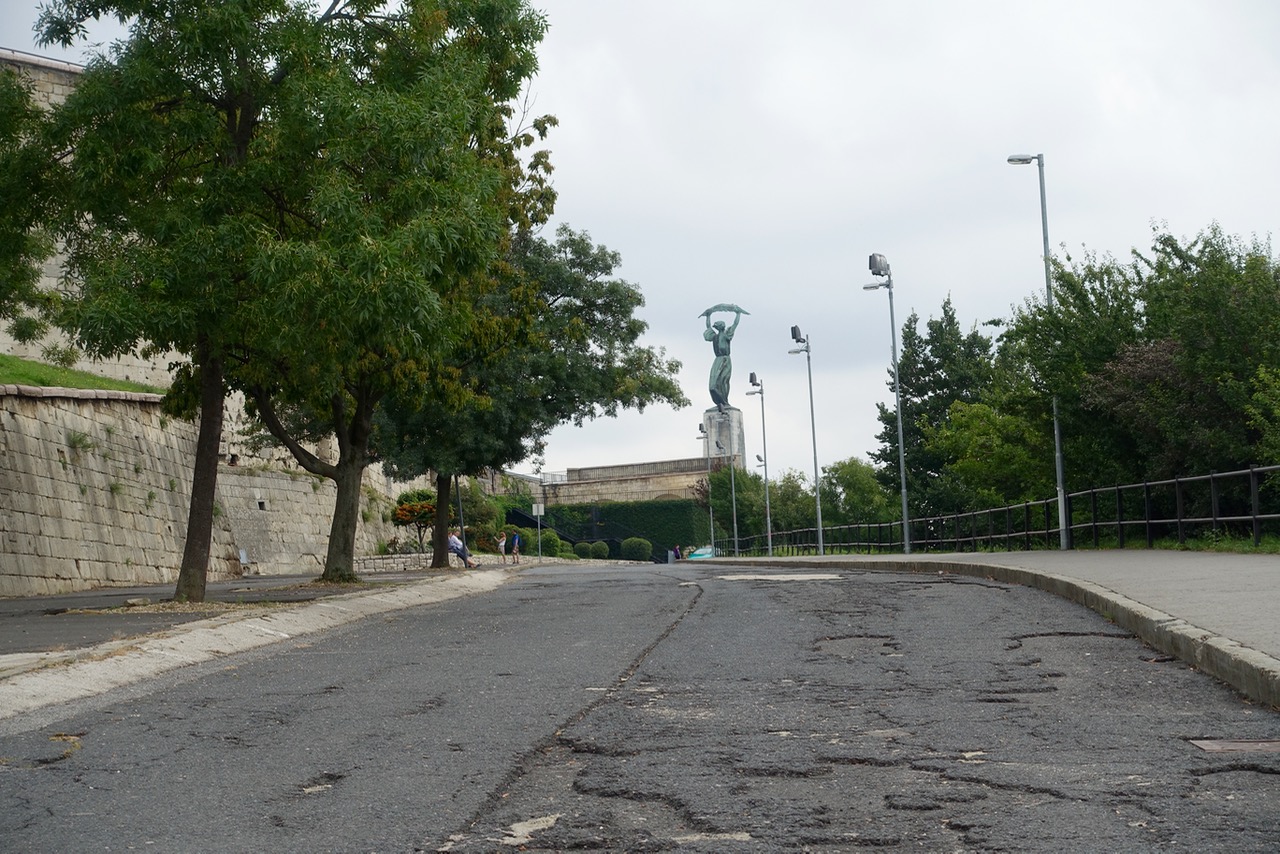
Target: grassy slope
15,371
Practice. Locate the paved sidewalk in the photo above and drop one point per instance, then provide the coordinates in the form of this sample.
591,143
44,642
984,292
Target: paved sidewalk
31,681
1219,612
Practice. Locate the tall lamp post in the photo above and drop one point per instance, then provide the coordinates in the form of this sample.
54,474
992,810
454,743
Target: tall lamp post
711,513
880,267
758,388
733,496
1064,529
813,427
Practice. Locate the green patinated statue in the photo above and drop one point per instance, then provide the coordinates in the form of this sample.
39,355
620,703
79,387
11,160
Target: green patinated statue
720,337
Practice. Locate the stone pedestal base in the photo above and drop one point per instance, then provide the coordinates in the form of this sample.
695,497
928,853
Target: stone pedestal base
726,428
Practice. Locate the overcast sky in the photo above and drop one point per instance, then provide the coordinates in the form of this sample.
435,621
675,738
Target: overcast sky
757,152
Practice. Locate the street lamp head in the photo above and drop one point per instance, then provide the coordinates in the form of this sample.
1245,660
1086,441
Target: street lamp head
878,264
797,350
1024,159
874,286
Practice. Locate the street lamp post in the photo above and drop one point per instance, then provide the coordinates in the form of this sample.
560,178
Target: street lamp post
813,427
758,388
711,513
880,267
733,497
1064,528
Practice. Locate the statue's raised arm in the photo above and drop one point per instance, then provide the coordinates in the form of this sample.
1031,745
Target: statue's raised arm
720,337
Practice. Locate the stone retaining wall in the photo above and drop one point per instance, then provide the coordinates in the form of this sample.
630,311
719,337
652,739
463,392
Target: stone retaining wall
95,486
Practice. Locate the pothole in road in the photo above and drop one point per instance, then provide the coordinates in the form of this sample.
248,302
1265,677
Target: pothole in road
1239,745
791,576
859,646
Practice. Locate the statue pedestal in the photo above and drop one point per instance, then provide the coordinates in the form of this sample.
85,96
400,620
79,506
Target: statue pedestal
726,428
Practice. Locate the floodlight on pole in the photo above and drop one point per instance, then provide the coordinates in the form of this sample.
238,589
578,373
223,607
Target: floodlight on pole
813,427
1064,528
758,388
879,266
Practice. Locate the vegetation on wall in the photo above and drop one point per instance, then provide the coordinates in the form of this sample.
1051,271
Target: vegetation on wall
664,523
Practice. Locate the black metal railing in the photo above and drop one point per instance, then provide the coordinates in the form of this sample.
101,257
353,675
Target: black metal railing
1236,504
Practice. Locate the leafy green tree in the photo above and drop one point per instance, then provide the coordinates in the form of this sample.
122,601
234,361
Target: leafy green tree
1264,414
415,508
791,502
495,397
24,185
165,190
282,195
424,216
853,494
1162,366
749,489
1212,327
1047,351
995,456
943,366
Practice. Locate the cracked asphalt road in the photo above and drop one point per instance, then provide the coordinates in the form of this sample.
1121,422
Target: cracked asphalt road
668,708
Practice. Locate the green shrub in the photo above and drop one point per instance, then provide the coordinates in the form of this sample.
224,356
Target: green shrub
637,548
582,548
550,543
566,550
600,550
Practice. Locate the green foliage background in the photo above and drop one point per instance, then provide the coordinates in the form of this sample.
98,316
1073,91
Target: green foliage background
663,523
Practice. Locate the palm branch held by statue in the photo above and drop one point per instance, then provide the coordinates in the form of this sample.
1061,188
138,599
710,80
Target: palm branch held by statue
721,338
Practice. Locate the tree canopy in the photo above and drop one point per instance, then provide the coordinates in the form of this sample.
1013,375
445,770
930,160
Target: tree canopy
564,347
298,202
1164,365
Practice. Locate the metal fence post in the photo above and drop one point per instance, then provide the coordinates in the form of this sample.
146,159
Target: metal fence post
1119,517
1093,515
1026,524
1253,499
1177,505
1213,499
1146,503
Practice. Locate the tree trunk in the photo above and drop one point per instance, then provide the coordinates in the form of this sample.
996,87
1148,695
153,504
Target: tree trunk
440,534
353,455
339,563
204,483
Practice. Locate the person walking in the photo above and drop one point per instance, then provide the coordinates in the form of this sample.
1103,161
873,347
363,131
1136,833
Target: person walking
502,545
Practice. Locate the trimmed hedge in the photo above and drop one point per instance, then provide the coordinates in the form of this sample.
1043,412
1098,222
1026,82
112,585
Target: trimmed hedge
582,549
663,523
600,550
637,548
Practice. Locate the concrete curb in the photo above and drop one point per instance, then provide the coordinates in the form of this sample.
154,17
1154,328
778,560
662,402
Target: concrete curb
60,677
1254,674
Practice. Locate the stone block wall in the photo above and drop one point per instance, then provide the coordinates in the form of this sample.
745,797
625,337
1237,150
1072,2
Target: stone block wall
95,487
637,482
